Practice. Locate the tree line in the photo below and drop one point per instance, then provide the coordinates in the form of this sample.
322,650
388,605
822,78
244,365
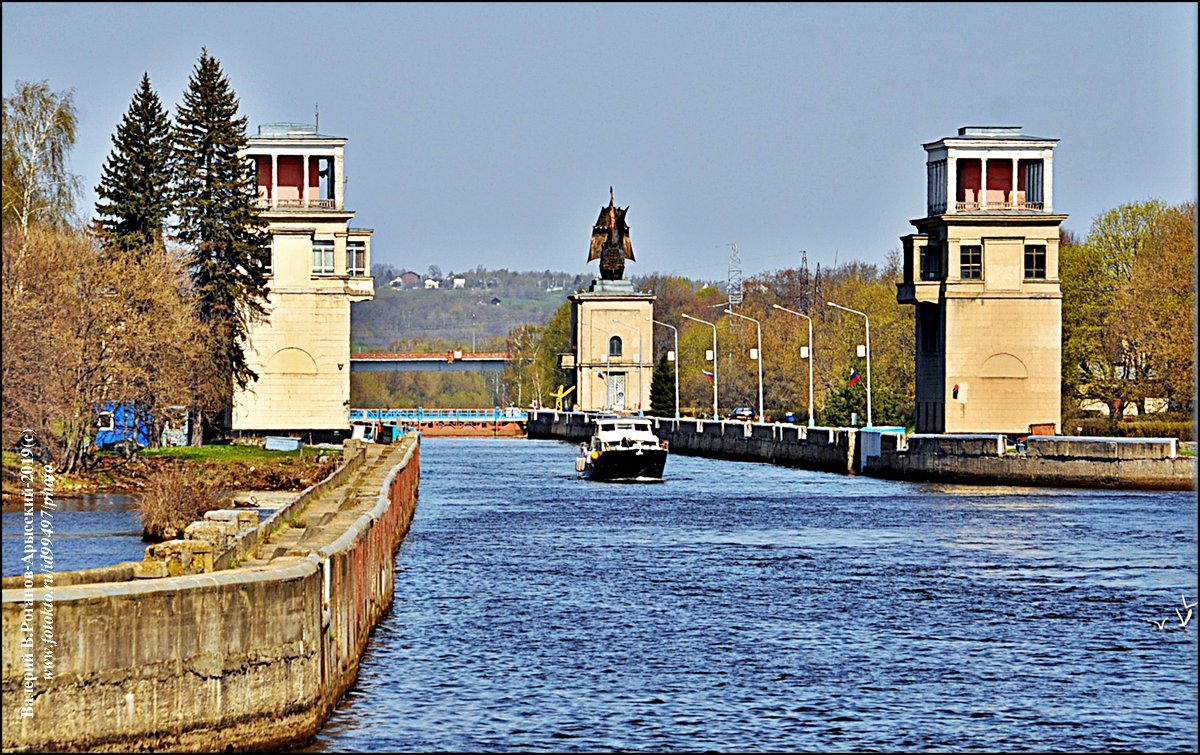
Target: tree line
1129,309
149,302
1128,335
534,370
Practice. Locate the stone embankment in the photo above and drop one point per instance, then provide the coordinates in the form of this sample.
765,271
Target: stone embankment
1051,461
1133,463
242,637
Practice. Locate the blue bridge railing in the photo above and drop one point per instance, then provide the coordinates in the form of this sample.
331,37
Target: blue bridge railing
421,415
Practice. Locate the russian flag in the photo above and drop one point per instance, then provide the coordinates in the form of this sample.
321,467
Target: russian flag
853,376
600,374
708,374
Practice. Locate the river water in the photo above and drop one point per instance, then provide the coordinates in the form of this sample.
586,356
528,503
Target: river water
88,531
741,606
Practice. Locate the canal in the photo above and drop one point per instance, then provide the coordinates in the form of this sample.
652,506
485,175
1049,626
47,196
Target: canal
742,607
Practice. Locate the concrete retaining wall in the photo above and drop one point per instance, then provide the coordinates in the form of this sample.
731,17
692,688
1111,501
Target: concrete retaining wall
1142,463
1107,449
1013,469
829,449
240,659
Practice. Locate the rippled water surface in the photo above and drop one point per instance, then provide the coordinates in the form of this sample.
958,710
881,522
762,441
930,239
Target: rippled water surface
741,606
89,531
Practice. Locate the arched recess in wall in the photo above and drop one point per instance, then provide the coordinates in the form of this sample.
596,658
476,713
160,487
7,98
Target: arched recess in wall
292,361
1003,365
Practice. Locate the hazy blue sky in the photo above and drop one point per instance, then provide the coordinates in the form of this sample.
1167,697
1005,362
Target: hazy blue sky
489,134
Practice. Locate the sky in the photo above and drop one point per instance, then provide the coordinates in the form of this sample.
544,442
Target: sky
490,134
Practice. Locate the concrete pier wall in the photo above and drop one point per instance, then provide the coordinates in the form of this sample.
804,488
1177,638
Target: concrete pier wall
1050,461
1135,463
829,449
240,659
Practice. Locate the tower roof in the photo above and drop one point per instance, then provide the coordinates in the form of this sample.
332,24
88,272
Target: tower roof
290,130
976,134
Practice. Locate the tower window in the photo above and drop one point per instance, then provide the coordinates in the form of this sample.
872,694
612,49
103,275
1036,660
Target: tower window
322,263
931,325
931,263
267,259
614,346
1035,262
356,258
971,263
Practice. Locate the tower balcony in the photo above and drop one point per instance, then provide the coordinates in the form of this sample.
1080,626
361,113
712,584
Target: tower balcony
1020,205
285,205
919,292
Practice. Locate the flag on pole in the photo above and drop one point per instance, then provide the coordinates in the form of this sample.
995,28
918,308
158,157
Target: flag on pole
853,376
708,374
600,374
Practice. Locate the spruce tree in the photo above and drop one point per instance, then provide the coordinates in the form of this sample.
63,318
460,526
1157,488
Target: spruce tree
135,188
219,222
662,389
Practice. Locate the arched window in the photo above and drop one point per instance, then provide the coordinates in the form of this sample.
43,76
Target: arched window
614,346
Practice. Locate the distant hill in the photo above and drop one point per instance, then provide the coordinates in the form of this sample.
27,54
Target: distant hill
489,303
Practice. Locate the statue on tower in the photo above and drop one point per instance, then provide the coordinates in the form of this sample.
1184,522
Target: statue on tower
610,241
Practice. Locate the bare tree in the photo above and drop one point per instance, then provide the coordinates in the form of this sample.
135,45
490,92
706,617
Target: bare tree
83,328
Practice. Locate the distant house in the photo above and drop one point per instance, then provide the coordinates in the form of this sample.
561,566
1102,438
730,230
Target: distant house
460,282
396,283
409,279
432,283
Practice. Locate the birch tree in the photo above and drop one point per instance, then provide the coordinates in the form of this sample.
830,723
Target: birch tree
39,132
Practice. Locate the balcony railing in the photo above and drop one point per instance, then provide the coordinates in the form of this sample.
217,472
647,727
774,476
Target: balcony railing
1005,205
297,204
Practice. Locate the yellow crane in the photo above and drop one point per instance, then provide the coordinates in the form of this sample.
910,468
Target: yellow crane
559,395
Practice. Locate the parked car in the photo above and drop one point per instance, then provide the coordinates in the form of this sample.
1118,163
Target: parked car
743,413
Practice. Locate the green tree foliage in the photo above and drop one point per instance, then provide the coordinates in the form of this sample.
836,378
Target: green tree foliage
219,223
135,187
554,340
867,288
39,132
843,401
1160,306
662,389
1127,332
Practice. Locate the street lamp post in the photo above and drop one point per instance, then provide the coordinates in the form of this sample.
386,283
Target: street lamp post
864,316
714,353
674,331
761,417
811,420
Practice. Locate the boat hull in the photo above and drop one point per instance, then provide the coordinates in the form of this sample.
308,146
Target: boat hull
622,465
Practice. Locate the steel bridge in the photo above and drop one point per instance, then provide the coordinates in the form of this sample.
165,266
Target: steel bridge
455,360
421,415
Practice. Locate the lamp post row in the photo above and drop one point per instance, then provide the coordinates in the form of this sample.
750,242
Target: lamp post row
758,325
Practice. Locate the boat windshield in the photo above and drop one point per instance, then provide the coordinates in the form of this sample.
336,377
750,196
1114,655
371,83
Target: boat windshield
625,425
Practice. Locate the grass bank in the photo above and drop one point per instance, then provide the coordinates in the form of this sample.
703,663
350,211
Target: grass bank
234,467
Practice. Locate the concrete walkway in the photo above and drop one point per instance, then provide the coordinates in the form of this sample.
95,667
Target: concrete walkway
332,512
